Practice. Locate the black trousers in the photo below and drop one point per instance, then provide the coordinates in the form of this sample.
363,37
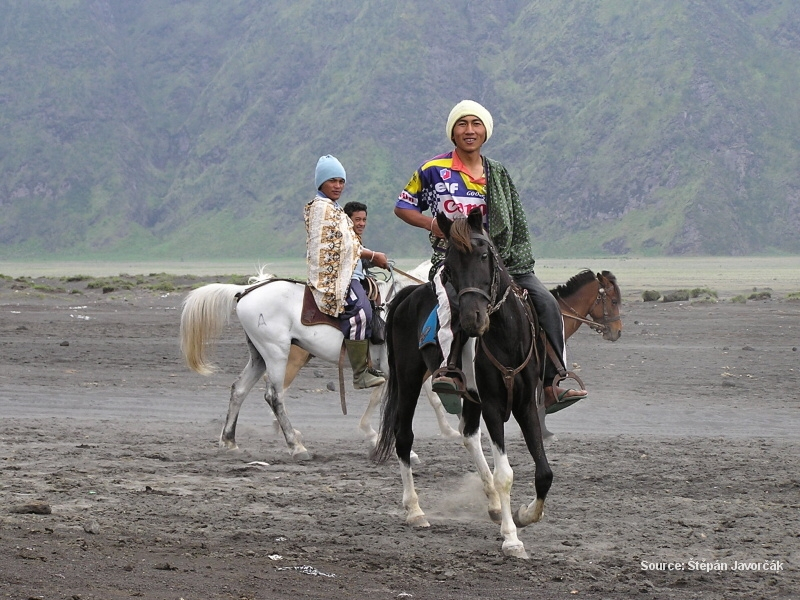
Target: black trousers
549,314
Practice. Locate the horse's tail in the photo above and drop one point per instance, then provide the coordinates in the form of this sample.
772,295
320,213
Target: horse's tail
206,311
385,446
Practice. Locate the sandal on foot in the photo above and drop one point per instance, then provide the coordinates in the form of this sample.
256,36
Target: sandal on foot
563,401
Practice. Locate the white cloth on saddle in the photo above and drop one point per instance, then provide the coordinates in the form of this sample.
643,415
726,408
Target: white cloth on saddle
332,251
445,333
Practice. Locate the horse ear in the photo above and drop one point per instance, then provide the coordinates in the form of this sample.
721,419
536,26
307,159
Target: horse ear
475,219
603,281
444,224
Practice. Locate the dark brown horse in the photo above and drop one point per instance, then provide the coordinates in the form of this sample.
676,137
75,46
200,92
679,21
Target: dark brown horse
596,296
502,380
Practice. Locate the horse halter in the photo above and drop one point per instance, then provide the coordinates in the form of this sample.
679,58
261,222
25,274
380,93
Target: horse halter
602,296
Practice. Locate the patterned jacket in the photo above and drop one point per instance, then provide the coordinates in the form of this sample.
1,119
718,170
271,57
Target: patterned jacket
332,251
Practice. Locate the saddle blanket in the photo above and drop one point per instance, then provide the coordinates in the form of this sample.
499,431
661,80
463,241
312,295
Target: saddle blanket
429,329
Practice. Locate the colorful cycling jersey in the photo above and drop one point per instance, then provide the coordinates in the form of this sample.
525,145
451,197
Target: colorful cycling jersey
443,185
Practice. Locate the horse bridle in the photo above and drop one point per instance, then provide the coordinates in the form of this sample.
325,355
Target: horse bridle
600,326
491,295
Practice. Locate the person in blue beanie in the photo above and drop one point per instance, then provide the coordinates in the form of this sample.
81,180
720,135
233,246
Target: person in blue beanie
333,249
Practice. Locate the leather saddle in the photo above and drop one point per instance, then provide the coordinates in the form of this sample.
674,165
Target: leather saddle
312,315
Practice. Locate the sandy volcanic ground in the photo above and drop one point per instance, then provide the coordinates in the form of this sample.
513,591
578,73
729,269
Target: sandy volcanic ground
679,470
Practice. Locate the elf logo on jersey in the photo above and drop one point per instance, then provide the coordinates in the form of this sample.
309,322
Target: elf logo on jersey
445,174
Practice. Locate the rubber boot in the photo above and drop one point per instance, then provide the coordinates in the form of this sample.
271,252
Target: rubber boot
363,376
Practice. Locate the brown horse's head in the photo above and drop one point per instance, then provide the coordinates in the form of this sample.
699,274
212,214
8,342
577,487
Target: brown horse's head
606,309
593,295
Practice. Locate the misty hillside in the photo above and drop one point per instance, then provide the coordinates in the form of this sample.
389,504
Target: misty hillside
155,129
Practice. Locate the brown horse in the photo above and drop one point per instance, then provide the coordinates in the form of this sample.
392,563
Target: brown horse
594,295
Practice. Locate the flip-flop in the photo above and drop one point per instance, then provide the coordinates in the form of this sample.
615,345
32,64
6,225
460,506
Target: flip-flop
562,402
449,393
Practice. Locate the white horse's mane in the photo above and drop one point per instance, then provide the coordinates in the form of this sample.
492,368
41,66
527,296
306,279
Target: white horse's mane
261,275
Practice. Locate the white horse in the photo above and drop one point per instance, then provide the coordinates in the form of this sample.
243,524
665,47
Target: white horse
298,358
279,345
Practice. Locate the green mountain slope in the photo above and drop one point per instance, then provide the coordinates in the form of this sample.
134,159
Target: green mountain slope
149,129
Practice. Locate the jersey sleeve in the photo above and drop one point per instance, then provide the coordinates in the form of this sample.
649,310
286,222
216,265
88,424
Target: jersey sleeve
411,196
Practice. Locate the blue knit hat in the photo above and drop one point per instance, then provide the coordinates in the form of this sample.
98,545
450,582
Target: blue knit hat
328,167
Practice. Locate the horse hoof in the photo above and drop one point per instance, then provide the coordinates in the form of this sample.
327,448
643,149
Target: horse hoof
525,515
495,515
517,516
418,521
538,511
371,436
515,551
303,456
414,459
228,446
547,435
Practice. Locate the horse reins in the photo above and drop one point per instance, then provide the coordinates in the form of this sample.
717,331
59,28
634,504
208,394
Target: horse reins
404,274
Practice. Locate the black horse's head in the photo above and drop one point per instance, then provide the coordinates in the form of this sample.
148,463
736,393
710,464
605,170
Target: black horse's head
471,265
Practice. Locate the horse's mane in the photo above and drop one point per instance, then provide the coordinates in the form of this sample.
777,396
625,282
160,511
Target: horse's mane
262,275
574,283
581,279
460,235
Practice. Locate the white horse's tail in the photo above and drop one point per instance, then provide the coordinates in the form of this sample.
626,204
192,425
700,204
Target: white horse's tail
206,311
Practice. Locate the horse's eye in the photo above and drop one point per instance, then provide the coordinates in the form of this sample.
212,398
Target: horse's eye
485,256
